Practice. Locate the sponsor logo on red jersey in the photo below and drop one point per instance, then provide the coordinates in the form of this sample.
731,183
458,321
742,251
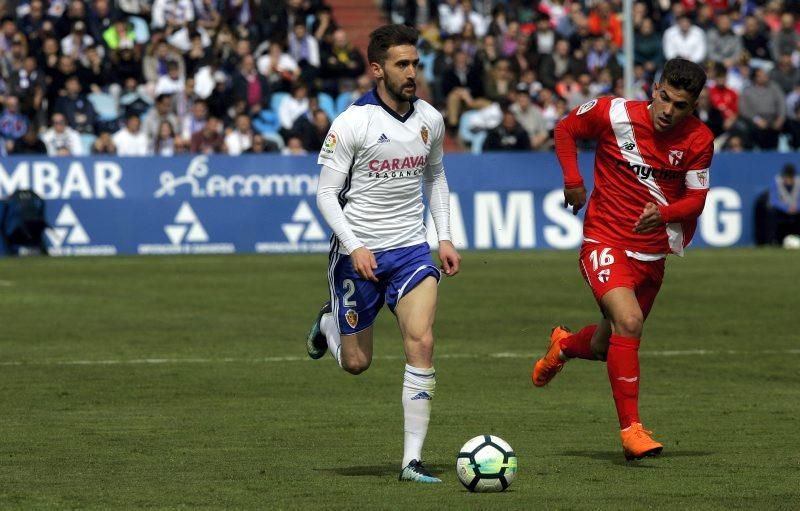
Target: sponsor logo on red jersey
675,157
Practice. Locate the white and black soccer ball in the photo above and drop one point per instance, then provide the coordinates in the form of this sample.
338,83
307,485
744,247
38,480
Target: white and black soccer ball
486,464
791,242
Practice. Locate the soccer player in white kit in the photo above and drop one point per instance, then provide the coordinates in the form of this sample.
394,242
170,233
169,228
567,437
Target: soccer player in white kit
378,157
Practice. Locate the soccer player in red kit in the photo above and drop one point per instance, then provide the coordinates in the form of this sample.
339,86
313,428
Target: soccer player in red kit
651,176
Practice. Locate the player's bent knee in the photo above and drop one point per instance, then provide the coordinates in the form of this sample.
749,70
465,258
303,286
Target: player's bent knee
423,339
355,365
629,325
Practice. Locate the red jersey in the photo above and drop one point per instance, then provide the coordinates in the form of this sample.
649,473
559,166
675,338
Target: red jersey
634,164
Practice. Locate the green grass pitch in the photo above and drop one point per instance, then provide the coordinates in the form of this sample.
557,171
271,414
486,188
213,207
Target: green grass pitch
182,383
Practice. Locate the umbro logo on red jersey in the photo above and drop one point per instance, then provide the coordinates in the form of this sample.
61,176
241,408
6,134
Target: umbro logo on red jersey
675,157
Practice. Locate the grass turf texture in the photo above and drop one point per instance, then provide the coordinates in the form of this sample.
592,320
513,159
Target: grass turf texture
89,420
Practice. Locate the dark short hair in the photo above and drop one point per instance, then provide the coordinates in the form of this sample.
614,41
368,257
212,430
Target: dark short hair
684,74
383,38
788,170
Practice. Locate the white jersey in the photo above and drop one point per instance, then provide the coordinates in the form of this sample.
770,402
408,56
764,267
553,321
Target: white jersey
385,156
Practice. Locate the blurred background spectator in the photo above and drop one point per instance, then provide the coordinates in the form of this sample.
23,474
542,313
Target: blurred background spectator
508,136
783,212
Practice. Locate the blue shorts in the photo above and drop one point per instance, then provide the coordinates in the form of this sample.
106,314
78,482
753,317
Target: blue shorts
356,301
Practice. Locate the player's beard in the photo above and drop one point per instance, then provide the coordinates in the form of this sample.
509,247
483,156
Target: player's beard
398,90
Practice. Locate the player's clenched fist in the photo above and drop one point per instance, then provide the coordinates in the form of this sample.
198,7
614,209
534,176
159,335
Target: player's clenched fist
448,255
575,197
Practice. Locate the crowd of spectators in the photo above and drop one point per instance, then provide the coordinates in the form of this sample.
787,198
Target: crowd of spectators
164,77
540,59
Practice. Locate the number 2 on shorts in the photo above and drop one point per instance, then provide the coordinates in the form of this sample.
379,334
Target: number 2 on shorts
350,289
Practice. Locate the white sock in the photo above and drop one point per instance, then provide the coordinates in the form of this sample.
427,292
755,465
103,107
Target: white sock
329,327
418,390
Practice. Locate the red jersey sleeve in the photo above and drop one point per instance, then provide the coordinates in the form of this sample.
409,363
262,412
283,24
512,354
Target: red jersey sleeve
588,121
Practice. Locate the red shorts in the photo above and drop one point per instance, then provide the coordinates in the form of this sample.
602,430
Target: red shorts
605,268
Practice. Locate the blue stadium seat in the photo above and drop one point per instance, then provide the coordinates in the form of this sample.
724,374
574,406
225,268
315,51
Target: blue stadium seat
275,138
266,122
474,139
783,143
141,30
275,100
344,100
327,104
87,140
426,59
105,106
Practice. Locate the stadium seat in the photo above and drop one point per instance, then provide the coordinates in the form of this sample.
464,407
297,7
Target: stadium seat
310,19
141,30
266,122
426,59
344,100
327,104
105,106
275,138
783,143
474,139
275,100
87,140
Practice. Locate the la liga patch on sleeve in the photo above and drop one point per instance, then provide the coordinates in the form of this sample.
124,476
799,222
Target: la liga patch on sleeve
329,146
586,107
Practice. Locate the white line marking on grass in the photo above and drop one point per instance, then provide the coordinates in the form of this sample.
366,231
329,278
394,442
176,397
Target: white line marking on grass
290,358
6,283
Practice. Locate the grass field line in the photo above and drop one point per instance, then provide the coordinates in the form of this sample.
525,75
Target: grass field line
235,360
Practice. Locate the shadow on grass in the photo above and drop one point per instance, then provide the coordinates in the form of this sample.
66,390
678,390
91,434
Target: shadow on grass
617,458
388,469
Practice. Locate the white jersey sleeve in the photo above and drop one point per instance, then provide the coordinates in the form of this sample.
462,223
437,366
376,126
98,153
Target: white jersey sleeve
435,184
341,144
331,183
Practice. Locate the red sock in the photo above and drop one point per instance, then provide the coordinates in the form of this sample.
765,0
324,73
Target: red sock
623,373
579,344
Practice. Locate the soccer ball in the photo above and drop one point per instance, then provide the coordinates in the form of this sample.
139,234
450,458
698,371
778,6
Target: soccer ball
791,242
486,464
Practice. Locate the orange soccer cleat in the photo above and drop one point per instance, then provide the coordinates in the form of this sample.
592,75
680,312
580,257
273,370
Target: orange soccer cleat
637,444
548,366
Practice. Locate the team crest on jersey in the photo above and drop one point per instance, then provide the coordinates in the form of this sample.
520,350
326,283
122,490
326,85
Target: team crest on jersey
352,318
329,146
675,157
586,107
423,132
702,177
